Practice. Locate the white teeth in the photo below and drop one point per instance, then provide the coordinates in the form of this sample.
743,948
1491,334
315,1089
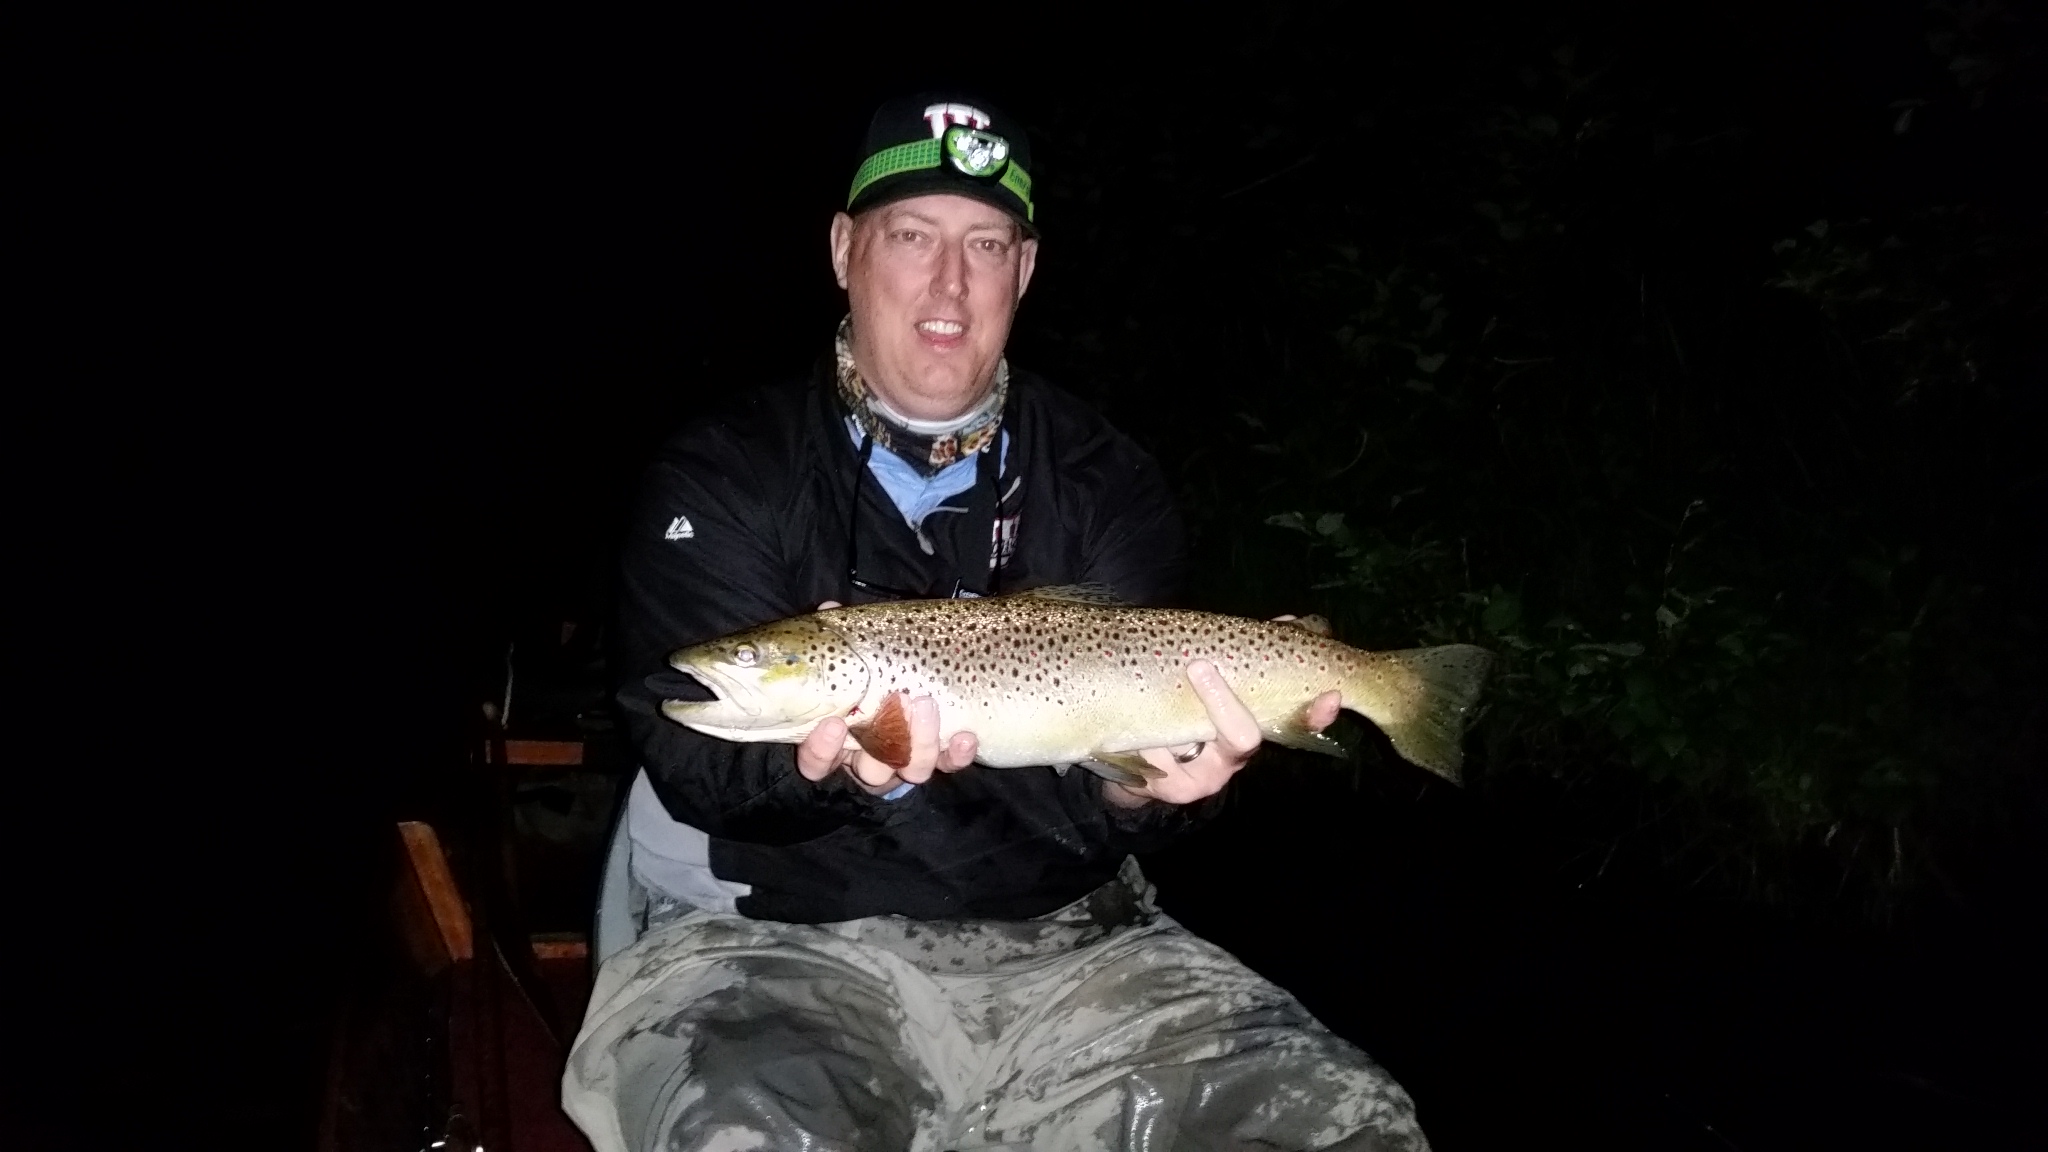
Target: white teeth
941,327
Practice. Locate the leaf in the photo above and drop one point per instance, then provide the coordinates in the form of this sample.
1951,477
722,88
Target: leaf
1503,613
1673,742
1666,617
1329,523
1431,362
1630,650
1293,521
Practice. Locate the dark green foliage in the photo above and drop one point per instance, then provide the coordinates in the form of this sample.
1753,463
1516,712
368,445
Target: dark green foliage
1551,351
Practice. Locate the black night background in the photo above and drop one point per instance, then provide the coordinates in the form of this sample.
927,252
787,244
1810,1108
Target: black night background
1688,356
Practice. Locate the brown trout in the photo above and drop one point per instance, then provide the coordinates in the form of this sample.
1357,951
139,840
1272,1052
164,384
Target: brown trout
1059,676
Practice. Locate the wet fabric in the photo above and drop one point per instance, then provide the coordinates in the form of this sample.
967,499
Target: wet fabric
1104,1025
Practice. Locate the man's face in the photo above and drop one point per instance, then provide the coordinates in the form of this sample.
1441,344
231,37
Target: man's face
933,282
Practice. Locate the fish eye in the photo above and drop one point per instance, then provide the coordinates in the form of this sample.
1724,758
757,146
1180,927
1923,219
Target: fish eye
744,655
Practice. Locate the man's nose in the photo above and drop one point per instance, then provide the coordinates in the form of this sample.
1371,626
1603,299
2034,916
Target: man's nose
949,279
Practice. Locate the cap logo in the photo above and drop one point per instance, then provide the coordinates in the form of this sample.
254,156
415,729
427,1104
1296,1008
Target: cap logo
976,153
943,116
961,137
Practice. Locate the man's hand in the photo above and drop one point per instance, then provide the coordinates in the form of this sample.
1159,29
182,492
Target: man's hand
1237,737
829,748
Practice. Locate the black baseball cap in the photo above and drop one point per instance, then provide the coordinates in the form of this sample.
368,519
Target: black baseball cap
944,142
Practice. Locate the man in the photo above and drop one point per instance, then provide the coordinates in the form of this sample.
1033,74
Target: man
838,954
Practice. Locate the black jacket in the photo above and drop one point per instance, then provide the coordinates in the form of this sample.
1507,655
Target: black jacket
743,518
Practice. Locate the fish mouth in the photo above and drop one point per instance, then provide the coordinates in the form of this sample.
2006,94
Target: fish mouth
735,706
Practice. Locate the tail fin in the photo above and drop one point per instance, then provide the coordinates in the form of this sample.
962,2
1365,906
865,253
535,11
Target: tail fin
1428,727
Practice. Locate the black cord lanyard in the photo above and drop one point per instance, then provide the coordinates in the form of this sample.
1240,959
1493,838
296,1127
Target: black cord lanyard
1000,469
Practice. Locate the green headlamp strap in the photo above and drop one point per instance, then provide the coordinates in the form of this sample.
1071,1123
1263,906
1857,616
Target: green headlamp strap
919,155
1019,181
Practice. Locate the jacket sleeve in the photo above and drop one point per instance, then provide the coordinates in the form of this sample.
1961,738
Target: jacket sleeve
700,560
1135,544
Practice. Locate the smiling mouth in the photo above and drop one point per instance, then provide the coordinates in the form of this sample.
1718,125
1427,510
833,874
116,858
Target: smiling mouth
942,331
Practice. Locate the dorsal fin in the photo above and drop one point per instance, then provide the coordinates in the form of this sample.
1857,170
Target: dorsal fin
1101,594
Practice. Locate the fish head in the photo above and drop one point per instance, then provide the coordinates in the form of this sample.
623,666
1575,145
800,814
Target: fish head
772,683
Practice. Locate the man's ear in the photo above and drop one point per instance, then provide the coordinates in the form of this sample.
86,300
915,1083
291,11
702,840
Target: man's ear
842,246
1027,259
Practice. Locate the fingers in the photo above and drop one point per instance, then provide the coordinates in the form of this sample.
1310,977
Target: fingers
1322,711
827,605
960,752
1237,730
825,751
828,748
821,751
1201,777
1237,737
874,775
924,740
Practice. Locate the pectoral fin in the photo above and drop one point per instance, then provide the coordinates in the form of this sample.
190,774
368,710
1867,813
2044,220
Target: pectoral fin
887,736
1126,768
1294,732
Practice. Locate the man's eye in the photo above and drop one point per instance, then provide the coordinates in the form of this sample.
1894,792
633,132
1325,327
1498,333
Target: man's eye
909,237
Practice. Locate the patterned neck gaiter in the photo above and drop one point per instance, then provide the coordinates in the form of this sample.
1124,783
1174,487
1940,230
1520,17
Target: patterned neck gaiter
936,446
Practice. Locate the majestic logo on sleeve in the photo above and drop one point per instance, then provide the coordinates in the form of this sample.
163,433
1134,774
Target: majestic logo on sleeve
680,528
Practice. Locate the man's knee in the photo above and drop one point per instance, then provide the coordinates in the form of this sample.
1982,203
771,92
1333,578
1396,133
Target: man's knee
799,1054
